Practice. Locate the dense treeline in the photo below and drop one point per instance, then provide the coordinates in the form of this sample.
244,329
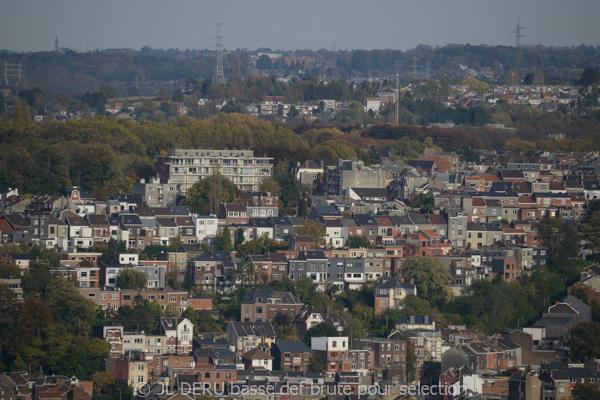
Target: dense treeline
105,156
146,71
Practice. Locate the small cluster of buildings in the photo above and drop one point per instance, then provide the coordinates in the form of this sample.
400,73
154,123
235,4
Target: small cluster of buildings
249,354
22,385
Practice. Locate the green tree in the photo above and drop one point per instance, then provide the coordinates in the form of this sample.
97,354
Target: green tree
590,232
206,322
589,77
585,342
152,250
205,196
321,300
129,278
414,305
177,96
355,241
70,308
586,391
110,254
424,201
18,365
293,112
291,190
240,236
142,316
314,229
103,380
190,314
356,329
271,186
287,333
233,106
264,62
175,243
305,289
559,238
320,330
302,207
225,243
8,271
432,278
2,104
316,364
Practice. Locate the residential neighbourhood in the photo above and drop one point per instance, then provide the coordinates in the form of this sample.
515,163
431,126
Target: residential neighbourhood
309,205
481,226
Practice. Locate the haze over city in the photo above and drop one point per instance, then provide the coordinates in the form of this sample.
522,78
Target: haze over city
33,25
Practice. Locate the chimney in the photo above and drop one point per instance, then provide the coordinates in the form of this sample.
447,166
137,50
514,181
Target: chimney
412,281
401,280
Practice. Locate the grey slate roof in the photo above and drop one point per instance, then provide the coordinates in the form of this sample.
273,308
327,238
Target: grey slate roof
293,347
259,329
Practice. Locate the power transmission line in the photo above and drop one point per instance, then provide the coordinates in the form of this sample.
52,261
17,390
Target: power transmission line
12,71
518,37
219,74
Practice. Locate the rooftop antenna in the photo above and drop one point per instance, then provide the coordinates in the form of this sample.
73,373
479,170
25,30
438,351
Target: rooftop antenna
219,75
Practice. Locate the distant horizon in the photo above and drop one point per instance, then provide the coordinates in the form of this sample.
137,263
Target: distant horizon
281,50
32,26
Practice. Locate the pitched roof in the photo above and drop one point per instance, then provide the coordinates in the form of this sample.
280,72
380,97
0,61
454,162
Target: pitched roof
256,354
130,219
293,347
371,192
267,295
97,219
421,164
259,329
382,288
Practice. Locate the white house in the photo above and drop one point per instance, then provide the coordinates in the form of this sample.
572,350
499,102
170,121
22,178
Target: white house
207,227
257,359
129,258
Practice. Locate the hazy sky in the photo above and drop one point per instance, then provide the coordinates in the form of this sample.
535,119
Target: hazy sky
32,25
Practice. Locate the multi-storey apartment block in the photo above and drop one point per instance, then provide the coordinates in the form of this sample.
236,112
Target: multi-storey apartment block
184,167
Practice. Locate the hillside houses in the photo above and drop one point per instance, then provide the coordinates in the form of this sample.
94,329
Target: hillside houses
484,228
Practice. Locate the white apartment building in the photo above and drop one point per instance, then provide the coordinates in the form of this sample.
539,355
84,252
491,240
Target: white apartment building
185,167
